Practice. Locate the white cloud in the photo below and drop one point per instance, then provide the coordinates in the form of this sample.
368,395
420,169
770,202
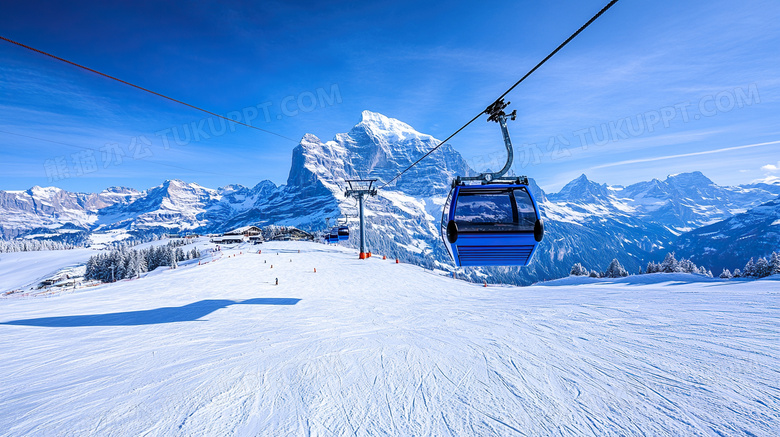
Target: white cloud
771,167
683,155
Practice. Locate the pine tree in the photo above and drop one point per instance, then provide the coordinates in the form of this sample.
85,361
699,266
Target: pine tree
750,269
156,257
578,270
133,264
669,265
151,263
737,273
687,266
615,270
90,270
121,262
141,263
653,267
774,264
593,274
726,274
762,268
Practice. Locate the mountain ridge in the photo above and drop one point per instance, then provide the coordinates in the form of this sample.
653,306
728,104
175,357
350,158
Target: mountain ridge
730,243
632,222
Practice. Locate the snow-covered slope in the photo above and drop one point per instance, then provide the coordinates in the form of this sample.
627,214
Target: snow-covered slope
377,348
22,269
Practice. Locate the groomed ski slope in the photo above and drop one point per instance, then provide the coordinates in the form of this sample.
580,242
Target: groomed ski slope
21,269
377,348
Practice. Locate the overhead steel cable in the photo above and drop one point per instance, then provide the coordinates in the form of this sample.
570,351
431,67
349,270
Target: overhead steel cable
530,72
144,89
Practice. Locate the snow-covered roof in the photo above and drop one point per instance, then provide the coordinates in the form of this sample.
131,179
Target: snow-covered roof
243,230
227,238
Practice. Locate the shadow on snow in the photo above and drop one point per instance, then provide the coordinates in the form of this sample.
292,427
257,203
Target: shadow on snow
186,313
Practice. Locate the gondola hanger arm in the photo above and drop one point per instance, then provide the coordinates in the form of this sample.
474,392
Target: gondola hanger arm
497,114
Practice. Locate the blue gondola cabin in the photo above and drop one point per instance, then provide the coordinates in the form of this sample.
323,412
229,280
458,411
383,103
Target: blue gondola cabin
491,225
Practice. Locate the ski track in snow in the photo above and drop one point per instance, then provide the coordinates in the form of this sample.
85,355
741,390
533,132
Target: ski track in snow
378,348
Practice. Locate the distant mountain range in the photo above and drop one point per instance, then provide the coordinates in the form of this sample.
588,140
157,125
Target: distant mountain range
732,242
586,222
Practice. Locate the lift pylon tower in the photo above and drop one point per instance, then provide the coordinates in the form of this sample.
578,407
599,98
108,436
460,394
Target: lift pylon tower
359,189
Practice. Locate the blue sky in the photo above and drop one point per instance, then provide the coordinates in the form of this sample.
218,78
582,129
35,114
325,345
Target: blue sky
635,75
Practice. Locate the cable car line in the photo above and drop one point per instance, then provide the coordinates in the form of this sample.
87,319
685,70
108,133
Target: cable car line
531,71
143,89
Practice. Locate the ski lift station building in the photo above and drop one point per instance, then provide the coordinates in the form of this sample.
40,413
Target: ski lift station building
251,234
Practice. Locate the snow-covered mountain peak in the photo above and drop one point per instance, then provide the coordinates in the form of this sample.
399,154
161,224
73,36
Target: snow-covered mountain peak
39,191
377,147
231,189
174,186
117,195
693,179
312,146
582,189
769,180
119,190
169,185
310,139
385,123
173,183
582,180
389,129
263,185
